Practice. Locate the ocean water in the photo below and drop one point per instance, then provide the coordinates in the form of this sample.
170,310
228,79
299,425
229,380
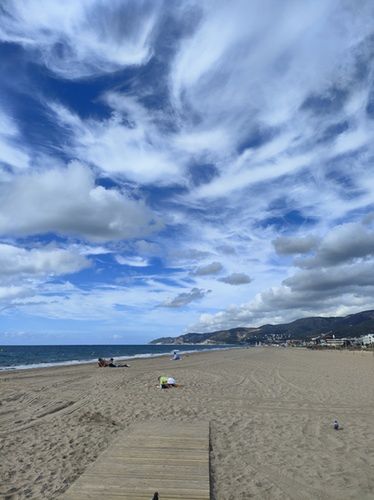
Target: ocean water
23,357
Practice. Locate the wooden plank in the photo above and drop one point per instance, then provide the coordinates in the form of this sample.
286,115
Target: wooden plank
172,459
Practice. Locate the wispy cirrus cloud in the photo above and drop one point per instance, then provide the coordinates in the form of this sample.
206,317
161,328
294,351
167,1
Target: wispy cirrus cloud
184,146
26,272
139,152
132,261
82,39
12,153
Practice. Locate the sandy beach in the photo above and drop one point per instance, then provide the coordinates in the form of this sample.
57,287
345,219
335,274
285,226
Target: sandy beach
271,413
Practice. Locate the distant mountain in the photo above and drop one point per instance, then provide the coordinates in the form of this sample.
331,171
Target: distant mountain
353,325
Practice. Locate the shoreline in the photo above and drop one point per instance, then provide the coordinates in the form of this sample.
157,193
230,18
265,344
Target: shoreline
271,412
93,361
74,362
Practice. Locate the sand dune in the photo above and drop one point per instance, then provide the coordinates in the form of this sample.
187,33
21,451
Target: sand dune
271,413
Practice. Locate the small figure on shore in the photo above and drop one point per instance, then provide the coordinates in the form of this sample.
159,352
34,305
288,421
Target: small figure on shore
113,365
163,382
176,356
104,363
336,425
155,496
167,382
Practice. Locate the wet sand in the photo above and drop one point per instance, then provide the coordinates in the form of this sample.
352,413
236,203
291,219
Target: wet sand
271,413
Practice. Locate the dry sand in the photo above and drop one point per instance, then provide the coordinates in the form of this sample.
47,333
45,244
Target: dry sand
271,412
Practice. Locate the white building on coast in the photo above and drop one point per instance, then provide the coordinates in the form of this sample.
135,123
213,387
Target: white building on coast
367,339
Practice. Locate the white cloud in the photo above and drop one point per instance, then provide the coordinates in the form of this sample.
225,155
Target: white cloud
147,248
294,245
12,292
343,243
212,268
140,153
197,142
339,279
8,126
84,38
187,255
26,272
185,298
131,261
252,82
263,46
67,202
262,124
281,305
111,304
236,279
12,153
244,173
353,139
16,261
84,249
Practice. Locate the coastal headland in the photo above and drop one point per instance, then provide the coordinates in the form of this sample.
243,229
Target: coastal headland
271,412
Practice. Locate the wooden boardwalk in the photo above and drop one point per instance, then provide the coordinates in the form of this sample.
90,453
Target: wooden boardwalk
172,459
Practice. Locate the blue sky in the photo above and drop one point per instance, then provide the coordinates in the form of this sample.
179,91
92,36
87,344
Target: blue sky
168,167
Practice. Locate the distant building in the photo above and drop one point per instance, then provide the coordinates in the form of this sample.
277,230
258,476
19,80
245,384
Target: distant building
296,343
329,340
320,340
335,342
367,339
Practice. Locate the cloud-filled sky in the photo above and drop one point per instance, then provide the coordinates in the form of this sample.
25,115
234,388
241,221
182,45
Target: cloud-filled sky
168,167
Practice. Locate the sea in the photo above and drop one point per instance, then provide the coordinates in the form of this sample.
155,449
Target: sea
43,356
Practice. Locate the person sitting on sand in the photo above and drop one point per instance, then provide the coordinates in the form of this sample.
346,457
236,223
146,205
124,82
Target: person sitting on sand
102,362
113,365
171,382
163,382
